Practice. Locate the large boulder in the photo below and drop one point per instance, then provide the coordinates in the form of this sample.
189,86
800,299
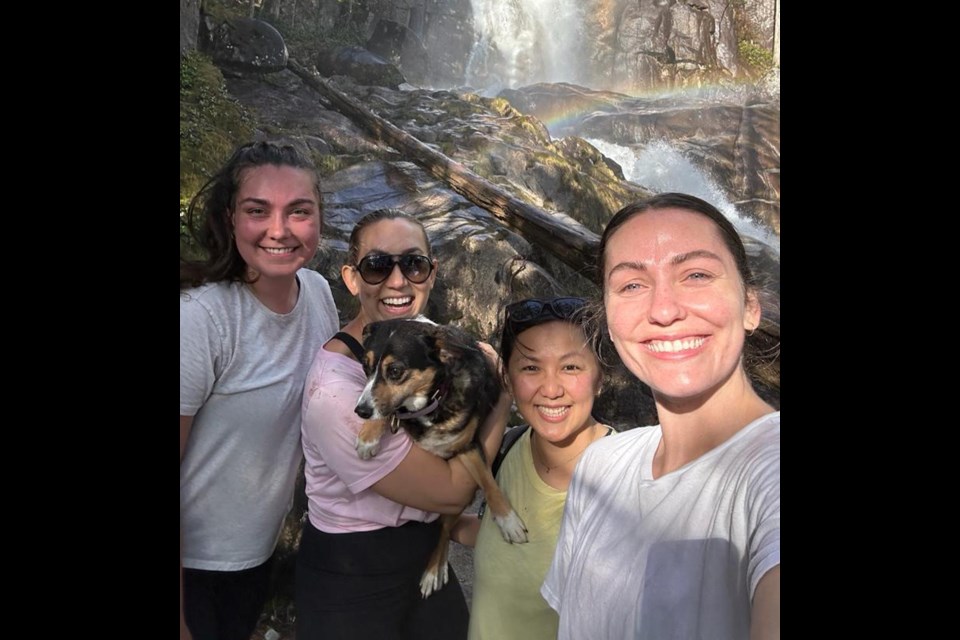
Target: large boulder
359,64
244,44
400,45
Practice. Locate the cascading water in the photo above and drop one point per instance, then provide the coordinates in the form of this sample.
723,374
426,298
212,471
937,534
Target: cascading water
660,168
522,42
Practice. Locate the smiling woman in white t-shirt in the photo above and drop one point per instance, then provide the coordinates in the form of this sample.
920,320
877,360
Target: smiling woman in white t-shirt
673,531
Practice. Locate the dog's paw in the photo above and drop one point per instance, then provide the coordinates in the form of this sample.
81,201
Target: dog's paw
432,580
512,527
366,449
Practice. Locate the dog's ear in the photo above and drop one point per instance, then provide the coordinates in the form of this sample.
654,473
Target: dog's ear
446,345
375,333
370,330
374,336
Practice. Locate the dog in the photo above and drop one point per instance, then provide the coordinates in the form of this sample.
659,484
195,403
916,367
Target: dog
434,382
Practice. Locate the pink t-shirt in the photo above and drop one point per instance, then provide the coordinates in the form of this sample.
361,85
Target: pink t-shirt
339,496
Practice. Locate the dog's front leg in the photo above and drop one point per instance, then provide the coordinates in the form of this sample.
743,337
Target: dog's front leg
368,440
511,525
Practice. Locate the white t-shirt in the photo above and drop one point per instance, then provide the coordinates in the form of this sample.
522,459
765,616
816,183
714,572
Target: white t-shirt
676,557
242,368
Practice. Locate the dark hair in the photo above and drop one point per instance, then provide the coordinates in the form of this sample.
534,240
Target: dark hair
376,216
209,215
686,202
511,330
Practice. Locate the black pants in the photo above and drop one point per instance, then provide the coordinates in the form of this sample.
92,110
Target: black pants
353,586
224,605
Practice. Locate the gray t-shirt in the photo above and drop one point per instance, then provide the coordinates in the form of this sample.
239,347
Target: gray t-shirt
242,369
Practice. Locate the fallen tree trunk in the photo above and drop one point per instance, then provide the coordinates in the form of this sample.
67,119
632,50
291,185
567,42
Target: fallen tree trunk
558,233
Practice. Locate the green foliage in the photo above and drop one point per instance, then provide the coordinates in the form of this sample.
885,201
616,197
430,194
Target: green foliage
311,27
328,164
212,123
756,57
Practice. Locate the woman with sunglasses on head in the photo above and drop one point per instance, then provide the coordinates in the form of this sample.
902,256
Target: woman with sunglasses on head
372,524
553,375
673,531
251,316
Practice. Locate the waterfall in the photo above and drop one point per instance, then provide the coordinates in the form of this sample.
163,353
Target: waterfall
660,168
520,42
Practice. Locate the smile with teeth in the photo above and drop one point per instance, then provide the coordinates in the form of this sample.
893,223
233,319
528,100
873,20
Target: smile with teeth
552,412
398,302
279,251
672,346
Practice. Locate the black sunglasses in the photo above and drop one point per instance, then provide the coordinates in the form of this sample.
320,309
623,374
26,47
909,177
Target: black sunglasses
376,268
534,309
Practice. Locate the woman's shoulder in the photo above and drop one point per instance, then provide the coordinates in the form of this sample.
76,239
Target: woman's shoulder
622,444
333,368
207,292
763,433
211,301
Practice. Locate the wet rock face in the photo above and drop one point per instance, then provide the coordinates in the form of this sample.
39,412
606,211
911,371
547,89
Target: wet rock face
621,45
244,44
447,32
666,43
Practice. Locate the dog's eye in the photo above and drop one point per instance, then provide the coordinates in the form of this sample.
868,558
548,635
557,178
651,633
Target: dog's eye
394,371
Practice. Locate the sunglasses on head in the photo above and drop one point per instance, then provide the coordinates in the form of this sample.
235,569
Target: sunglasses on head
534,309
376,268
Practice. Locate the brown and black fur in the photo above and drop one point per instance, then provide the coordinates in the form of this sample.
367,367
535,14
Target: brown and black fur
407,362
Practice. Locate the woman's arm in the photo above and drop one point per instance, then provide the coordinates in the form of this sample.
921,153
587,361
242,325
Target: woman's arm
466,529
186,423
765,614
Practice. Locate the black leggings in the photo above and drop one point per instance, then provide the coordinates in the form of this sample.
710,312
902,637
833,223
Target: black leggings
367,585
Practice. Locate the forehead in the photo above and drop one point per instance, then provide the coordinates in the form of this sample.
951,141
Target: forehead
393,236
555,337
266,179
658,235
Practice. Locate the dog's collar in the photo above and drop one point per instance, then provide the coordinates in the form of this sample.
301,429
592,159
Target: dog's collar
427,410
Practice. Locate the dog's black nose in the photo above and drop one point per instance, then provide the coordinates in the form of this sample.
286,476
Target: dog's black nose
364,411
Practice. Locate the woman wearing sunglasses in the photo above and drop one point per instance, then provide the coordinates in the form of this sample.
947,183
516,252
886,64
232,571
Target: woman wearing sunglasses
372,524
554,376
